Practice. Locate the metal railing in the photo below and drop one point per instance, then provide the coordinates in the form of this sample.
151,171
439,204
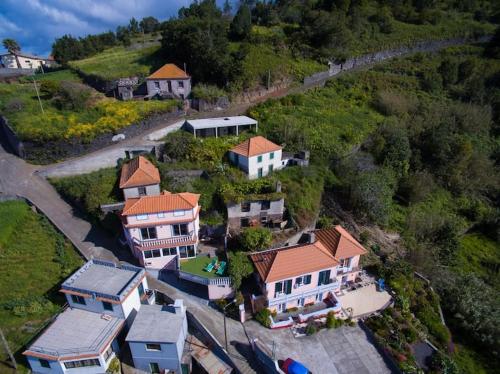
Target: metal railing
294,296
219,281
174,240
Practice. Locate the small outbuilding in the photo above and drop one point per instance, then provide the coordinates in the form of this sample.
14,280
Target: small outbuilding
220,126
169,81
156,339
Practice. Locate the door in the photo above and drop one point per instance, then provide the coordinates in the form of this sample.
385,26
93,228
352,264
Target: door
301,301
281,307
154,367
287,287
344,279
169,85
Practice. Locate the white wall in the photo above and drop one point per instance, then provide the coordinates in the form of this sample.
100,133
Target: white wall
176,90
251,165
9,61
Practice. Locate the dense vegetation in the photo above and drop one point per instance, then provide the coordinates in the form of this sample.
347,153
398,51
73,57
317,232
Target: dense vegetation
424,164
35,259
262,43
71,110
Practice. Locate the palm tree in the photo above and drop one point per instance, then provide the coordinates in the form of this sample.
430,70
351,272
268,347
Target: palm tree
13,48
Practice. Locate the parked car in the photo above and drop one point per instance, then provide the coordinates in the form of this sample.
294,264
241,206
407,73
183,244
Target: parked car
290,366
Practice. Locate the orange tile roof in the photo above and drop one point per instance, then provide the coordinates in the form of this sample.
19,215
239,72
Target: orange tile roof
139,172
255,146
288,262
339,242
165,202
167,71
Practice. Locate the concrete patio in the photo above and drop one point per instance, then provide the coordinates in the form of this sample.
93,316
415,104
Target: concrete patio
364,300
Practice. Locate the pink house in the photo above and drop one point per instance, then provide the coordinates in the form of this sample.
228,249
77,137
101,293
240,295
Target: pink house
308,273
162,229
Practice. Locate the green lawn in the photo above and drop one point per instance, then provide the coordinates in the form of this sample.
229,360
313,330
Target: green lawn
120,62
196,266
35,258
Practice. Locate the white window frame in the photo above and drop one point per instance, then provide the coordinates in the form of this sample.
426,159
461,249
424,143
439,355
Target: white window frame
161,215
141,217
153,350
179,213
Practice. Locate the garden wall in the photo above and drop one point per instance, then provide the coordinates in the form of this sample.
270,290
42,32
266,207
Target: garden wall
372,58
10,138
52,151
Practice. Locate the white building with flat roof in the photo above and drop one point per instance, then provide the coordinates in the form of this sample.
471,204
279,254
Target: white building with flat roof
220,126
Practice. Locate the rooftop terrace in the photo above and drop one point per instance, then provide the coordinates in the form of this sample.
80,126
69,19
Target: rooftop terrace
104,279
75,332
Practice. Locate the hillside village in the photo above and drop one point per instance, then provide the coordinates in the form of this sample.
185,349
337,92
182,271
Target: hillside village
255,190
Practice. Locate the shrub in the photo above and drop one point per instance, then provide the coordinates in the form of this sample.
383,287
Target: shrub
392,103
207,92
114,366
311,328
73,96
14,105
292,309
255,239
263,318
364,236
239,268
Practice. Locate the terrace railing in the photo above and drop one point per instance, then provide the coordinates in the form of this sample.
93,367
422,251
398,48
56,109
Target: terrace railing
284,298
172,241
218,281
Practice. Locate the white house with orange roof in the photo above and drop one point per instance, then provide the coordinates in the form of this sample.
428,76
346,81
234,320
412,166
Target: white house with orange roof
162,229
139,177
310,273
169,81
257,157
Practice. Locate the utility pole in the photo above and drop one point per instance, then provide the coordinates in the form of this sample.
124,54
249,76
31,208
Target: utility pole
38,95
6,346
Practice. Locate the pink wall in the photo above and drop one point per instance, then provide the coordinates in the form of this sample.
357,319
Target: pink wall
168,217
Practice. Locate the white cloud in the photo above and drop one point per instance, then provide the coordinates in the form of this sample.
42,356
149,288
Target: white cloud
7,26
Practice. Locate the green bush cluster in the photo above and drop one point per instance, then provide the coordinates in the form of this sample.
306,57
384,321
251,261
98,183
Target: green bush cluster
263,318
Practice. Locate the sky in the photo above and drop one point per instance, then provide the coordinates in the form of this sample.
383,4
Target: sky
34,24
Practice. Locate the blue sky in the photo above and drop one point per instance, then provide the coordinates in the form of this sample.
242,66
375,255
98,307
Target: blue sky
36,23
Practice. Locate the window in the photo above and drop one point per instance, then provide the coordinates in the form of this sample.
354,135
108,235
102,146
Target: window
169,251
140,288
186,251
265,205
179,213
244,222
142,191
44,363
245,206
181,84
82,363
324,277
148,233
270,168
259,158
283,287
141,217
107,306
271,156
161,215
345,262
153,347
148,254
157,85
259,172
263,220
307,279
78,299
108,353
154,367
181,229
156,253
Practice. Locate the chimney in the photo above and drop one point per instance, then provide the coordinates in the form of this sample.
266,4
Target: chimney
278,186
179,307
312,237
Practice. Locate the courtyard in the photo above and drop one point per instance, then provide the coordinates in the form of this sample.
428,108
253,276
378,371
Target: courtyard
364,301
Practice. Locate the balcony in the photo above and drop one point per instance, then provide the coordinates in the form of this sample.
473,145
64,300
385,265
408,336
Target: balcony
284,298
173,241
348,270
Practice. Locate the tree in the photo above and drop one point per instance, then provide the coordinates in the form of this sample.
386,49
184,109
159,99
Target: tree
240,267
13,48
178,145
371,193
123,35
255,239
449,71
394,148
149,24
241,24
199,38
133,26
67,48
493,48
226,9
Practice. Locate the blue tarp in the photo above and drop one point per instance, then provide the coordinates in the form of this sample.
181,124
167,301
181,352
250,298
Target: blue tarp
296,367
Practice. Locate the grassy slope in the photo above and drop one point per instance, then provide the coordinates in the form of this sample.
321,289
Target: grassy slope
30,272
103,116
120,62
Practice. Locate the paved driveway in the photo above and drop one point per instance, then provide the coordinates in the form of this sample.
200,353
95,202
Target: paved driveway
346,350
